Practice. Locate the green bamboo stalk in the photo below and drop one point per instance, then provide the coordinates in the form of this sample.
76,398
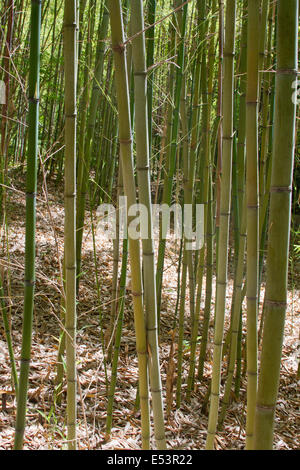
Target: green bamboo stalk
241,153
172,152
220,116
264,14
241,143
252,210
62,342
238,372
150,40
263,216
265,160
117,343
4,129
279,223
81,4
98,295
208,75
181,326
265,111
83,106
165,152
114,287
125,138
7,331
70,66
186,256
94,101
208,289
237,300
143,173
31,185
225,196
235,342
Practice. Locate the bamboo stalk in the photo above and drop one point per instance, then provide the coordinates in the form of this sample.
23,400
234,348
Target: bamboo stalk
252,210
125,138
143,173
279,223
172,151
91,121
31,185
70,57
225,197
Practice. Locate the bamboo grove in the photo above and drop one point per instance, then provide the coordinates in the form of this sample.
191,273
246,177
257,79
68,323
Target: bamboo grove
188,103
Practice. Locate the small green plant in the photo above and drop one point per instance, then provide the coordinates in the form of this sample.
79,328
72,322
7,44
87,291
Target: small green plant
52,421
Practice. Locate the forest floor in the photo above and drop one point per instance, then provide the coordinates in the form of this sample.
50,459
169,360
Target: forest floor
46,429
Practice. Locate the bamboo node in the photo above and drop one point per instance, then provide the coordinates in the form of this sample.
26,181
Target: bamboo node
31,99
125,141
142,73
119,48
142,168
71,116
265,407
225,214
253,374
25,361
275,303
70,25
32,195
150,253
137,294
287,72
281,189
156,390
144,353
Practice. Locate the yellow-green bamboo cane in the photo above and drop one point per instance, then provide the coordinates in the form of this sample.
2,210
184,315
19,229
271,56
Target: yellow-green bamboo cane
225,203
31,184
208,70
252,210
237,300
70,66
125,138
143,172
279,222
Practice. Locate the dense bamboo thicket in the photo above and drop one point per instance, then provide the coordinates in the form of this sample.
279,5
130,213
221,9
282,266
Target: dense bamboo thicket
153,147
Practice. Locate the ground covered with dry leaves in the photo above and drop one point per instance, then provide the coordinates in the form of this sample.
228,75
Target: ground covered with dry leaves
46,429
